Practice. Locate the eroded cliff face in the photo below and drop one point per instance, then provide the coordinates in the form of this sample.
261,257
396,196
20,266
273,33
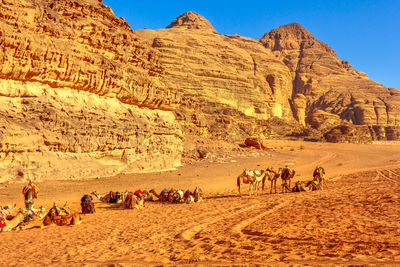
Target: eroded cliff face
333,85
232,81
80,94
237,84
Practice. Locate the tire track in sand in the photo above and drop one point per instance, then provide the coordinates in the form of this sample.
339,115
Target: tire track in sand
386,177
189,233
238,228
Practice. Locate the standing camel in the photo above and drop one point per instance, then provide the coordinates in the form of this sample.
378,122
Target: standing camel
251,178
30,192
273,176
319,175
286,175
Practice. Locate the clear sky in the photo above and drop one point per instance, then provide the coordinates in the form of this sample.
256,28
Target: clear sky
366,33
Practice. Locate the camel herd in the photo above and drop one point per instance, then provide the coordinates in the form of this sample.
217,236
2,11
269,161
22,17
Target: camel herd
12,218
256,178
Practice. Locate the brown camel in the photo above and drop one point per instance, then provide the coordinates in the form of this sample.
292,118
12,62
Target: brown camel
306,186
87,205
111,197
22,220
253,179
62,216
14,222
286,175
163,196
133,201
9,211
319,175
273,176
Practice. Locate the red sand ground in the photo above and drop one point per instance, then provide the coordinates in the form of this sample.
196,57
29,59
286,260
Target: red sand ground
355,221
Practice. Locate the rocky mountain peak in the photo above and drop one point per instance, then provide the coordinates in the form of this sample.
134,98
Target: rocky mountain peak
293,36
191,20
292,30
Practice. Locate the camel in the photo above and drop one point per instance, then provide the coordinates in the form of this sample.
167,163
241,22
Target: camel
319,175
87,205
306,186
23,220
286,175
9,211
133,201
163,196
272,176
9,225
62,216
198,194
30,192
111,197
252,178
176,196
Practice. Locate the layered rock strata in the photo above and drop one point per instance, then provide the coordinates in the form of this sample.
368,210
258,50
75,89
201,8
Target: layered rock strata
331,84
232,81
239,84
80,94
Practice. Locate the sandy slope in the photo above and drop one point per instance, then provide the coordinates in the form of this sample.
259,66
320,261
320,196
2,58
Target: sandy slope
355,221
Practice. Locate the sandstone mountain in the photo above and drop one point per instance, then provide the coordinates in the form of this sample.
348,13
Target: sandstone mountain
82,95
234,86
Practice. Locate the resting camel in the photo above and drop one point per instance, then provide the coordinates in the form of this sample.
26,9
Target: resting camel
176,196
286,175
23,220
62,216
319,175
252,178
111,197
87,205
14,222
133,201
163,196
272,176
306,186
9,211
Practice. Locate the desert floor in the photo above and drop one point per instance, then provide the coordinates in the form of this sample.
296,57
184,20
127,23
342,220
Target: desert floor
355,221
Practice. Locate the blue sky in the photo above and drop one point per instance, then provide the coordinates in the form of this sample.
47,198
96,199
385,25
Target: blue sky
366,33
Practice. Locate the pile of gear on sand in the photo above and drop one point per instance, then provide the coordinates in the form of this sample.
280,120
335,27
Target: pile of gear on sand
13,218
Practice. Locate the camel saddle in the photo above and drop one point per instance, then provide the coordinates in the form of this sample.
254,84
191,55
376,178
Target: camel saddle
61,213
249,172
2,221
32,187
252,173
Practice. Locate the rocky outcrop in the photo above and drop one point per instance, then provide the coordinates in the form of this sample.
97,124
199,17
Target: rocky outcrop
60,133
191,20
255,142
320,119
330,84
299,105
232,81
348,133
287,74
80,94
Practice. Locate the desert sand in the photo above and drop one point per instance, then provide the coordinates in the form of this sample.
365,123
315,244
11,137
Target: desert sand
355,221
